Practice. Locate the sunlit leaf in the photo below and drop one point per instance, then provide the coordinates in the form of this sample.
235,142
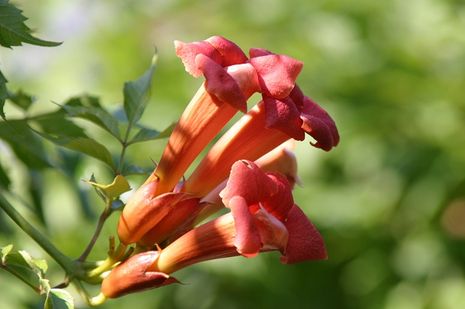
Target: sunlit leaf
89,108
146,134
83,145
38,265
13,30
59,299
3,94
136,94
21,265
5,251
114,189
26,145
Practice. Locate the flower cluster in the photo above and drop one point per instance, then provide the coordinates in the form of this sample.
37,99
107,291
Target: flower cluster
246,171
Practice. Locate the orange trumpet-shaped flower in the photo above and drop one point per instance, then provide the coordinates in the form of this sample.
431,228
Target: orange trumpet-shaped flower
267,125
263,218
230,80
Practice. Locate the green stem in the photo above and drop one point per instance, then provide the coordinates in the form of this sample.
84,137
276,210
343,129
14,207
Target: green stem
103,217
124,145
65,262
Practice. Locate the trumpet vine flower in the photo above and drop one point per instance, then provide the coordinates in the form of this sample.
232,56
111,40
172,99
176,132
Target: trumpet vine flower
230,79
262,217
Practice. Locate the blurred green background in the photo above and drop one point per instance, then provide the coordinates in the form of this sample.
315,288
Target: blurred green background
389,200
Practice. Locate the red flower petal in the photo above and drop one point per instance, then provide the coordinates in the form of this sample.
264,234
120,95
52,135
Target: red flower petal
188,51
283,115
276,74
258,52
305,242
279,204
247,239
318,123
220,84
229,51
249,182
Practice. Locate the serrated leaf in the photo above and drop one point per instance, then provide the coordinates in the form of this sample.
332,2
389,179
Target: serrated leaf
89,108
114,189
21,99
4,179
3,94
136,94
27,147
13,30
59,299
85,145
146,134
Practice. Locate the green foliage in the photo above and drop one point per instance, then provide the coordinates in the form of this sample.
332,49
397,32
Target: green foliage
136,94
84,145
146,134
22,265
3,93
32,272
13,30
58,299
89,108
25,144
4,179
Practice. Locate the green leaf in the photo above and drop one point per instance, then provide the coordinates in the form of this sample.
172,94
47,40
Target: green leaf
56,124
21,99
24,267
13,30
83,145
3,94
89,108
35,188
26,145
4,179
114,189
59,299
136,94
38,265
146,134
5,251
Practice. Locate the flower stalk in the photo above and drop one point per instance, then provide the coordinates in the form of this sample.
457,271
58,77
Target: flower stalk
65,262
